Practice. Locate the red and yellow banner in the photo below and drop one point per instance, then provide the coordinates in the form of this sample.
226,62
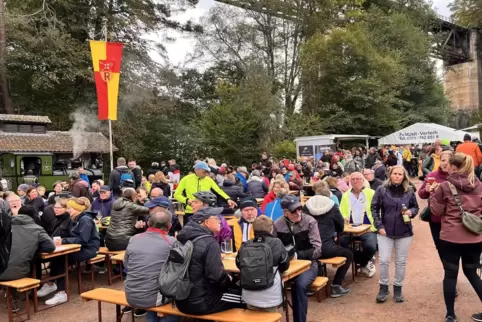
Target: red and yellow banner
106,58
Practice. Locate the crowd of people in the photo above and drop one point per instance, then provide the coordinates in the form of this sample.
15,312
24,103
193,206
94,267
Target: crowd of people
136,211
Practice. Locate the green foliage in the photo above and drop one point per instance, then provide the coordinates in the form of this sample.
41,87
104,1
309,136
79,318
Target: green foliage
467,12
285,149
300,124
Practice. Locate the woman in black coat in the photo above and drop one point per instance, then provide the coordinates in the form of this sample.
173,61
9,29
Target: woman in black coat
33,199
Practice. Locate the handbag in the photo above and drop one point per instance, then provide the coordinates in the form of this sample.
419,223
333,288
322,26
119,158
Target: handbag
426,215
470,221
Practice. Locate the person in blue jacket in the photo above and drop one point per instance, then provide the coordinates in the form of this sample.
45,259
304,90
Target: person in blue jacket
83,176
242,174
273,209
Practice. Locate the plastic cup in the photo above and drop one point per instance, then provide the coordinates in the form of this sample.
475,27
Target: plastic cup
430,180
58,241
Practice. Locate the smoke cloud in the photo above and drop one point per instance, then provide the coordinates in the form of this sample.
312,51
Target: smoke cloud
84,121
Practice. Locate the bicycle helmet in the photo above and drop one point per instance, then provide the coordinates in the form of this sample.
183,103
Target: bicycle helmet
206,197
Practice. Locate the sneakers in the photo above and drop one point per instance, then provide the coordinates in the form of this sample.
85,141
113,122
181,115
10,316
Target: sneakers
369,270
126,309
15,307
450,319
338,291
46,290
477,317
138,313
58,298
102,270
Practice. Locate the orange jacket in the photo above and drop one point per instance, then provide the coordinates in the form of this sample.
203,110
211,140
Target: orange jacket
472,149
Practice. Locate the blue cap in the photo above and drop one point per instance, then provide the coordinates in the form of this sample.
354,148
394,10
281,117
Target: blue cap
158,202
202,166
104,188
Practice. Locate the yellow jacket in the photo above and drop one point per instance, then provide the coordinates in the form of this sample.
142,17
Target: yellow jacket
345,206
238,235
407,155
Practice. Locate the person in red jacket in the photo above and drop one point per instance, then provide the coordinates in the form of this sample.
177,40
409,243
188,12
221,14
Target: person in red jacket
432,181
271,196
456,241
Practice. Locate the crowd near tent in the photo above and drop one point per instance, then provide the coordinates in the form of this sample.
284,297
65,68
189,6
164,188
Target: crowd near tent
423,133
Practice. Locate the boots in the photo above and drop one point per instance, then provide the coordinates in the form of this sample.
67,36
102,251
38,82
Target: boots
383,293
397,294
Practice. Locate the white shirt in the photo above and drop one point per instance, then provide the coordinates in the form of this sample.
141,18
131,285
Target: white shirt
358,207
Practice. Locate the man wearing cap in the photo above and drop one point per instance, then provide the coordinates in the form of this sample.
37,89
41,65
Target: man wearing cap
22,192
209,293
160,203
78,187
104,203
195,182
243,229
242,173
300,231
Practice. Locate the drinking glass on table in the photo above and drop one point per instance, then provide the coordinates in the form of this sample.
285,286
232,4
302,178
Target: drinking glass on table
227,246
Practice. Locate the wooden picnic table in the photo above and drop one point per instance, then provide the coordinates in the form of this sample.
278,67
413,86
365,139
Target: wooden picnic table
357,231
119,257
62,250
297,267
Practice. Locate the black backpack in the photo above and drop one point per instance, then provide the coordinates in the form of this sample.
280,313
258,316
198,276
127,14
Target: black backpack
256,265
5,235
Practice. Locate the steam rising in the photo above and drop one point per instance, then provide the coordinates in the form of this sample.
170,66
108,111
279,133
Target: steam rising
84,121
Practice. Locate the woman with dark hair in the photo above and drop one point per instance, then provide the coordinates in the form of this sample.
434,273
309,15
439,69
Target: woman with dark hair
33,199
461,192
393,207
54,196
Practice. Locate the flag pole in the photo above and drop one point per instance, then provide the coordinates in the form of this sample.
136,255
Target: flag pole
110,121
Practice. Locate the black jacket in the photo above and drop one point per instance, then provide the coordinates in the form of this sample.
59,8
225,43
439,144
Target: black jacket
375,184
371,159
328,216
48,218
84,232
28,238
381,173
206,272
337,193
62,226
235,193
165,187
257,188
114,179
38,203
137,172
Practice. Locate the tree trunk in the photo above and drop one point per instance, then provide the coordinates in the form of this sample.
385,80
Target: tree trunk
7,104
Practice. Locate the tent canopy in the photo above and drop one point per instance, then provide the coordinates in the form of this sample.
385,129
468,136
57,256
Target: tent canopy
422,133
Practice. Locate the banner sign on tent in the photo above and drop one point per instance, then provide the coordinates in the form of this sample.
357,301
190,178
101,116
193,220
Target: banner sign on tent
306,150
426,136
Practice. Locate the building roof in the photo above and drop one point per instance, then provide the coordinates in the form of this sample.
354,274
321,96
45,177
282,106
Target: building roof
25,118
52,141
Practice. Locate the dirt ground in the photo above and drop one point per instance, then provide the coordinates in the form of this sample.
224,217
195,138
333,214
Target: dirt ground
422,291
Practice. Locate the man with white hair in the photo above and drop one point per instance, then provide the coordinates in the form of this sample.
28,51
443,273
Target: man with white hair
355,208
369,174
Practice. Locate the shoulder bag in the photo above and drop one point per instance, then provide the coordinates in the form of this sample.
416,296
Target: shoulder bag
470,221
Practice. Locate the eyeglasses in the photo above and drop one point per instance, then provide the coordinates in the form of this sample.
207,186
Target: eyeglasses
356,179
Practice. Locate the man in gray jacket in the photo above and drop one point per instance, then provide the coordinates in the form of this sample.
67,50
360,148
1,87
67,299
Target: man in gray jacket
28,238
144,258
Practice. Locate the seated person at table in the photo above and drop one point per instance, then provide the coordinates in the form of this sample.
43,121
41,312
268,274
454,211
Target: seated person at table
300,231
270,298
27,239
208,199
84,232
273,209
330,221
160,203
63,223
104,202
355,208
206,271
243,228
144,258
322,186
123,220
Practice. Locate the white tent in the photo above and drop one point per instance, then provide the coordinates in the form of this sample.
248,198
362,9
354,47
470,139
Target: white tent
422,133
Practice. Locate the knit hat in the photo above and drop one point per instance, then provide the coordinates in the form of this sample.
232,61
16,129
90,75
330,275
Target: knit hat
23,187
248,202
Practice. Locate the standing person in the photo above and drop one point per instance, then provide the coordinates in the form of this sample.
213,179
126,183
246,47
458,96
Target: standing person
136,171
470,148
372,157
380,170
234,191
432,162
438,177
462,190
393,207
407,159
369,174
161,182
119,176
195,182
242,173
78,187
256,186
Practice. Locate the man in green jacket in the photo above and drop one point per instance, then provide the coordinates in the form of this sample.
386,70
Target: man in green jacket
195,182
355,206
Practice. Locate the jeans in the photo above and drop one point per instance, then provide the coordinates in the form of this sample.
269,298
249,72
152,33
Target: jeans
369,245
451,254
152,317
385,246
330,251
299,292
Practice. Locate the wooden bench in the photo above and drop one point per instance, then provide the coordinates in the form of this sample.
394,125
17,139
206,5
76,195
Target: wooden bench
335,262
111,277
319,283
119,299
21,285
97,259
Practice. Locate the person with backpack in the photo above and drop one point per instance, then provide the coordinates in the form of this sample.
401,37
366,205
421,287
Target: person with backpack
143,260
300,231
5,234
210,283
271,258
121,177
393,207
